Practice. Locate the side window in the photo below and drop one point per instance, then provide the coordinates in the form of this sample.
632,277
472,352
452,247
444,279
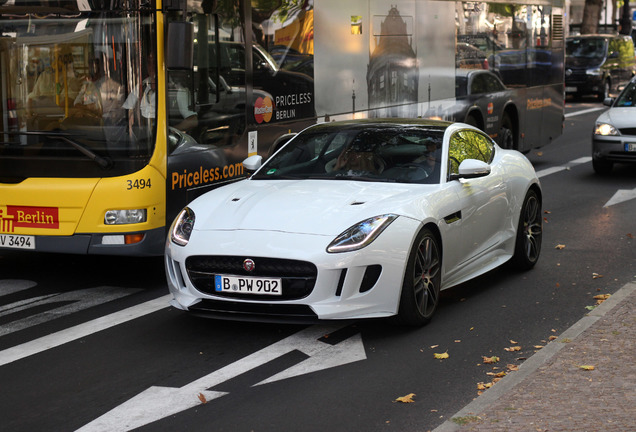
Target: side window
468,144
478,85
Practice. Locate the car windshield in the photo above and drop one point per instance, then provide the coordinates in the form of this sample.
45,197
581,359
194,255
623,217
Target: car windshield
366,152
590,48
627,97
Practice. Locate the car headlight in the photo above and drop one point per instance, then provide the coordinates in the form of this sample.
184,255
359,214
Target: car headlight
605,129
594,72
360,234
182,227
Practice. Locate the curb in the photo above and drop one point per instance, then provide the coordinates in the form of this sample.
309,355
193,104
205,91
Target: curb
482,402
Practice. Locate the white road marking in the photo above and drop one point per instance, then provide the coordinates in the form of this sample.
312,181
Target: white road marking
79,300
156,403
585,111
567,166
82,330
620,196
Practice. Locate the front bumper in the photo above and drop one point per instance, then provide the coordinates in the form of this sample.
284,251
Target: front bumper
339,291
613,148
93,244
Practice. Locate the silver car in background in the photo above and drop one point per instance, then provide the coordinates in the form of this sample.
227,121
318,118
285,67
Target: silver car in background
614,137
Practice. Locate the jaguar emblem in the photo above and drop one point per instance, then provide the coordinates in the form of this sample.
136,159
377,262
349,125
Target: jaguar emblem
248,265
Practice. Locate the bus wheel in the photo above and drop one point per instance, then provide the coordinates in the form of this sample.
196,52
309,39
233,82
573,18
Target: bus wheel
471,120
506,135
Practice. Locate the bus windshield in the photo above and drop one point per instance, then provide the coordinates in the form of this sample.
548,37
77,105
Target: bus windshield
77,91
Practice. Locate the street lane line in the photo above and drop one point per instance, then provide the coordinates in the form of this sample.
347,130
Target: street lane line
586,111
568,165
82,330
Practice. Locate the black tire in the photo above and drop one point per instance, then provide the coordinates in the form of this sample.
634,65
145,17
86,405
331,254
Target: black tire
422,280
529,233
602,167
471,120
506,133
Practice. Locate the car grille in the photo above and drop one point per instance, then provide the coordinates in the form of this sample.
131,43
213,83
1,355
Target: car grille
628,131
298,277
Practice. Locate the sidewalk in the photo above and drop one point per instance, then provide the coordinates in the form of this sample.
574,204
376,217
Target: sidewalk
552,393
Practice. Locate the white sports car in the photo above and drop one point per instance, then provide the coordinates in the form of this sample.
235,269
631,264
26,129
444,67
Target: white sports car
358,219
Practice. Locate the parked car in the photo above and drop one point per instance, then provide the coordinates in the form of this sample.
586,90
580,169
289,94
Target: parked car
598,64
485,102
614,137
357,219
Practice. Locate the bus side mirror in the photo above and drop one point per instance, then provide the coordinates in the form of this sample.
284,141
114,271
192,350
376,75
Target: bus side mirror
180,46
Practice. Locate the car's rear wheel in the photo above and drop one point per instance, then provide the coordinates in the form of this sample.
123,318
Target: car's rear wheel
529,233
422,280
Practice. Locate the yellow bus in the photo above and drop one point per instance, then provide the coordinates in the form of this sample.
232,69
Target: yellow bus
114,115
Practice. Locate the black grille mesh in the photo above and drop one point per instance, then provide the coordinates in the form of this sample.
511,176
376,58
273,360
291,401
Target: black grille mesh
298,277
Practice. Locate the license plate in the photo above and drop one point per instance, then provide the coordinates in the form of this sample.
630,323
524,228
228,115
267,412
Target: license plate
248,285
17,241
570,89
630,147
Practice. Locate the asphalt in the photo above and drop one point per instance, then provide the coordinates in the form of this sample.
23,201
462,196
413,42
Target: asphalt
582,381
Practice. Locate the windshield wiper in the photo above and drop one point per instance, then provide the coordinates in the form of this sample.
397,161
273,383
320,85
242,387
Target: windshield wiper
99,160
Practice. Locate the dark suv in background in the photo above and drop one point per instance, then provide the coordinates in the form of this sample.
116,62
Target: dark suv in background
598,64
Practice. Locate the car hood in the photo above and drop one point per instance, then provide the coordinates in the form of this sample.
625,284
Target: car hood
620,118
317,207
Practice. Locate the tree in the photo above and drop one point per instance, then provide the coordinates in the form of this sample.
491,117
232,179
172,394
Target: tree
591,16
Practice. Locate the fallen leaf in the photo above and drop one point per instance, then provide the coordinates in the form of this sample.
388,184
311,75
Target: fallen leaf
538,346
553,337
513,342
434,346
406,399
587,367
457,340
514,348
545,220
512,367
596,276
483,386
630,235
547,212
560,246
202,398
488,360
441,356
601,298
496,375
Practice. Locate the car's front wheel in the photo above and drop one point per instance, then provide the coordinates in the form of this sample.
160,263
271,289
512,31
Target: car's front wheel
529,233
602,167
422,280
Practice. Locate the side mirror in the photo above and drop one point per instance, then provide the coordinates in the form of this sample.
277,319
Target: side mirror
253,163
608,101
472,168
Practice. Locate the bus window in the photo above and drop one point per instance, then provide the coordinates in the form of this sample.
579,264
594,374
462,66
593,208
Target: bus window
283,65
75,86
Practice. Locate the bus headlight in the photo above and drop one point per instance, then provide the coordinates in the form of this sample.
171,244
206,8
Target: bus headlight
605,129
182,227
124,217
